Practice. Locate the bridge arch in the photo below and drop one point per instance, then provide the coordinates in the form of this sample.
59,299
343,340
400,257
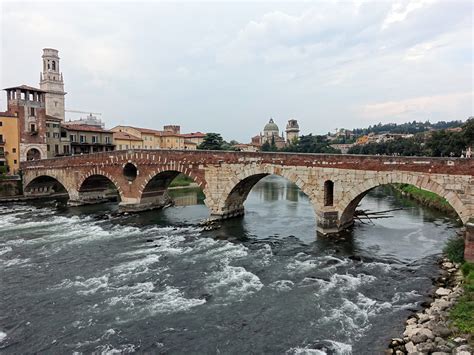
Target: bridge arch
153,190
231,201
349,203
46,185
95,185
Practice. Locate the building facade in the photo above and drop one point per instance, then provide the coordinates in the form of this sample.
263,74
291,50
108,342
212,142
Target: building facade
28,105
169,138
9,143
124,141
52,83
88,139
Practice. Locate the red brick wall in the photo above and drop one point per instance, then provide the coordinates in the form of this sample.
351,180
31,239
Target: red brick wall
454,166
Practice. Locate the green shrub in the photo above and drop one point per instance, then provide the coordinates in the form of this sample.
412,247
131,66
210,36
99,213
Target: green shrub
462,314
466,268
3,169
454,249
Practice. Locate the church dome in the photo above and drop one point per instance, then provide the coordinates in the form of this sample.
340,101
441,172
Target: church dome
271,126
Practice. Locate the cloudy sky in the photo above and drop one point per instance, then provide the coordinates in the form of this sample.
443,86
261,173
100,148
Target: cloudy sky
228,66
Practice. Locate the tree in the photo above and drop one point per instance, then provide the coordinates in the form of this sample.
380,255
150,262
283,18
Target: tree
211,141
265,147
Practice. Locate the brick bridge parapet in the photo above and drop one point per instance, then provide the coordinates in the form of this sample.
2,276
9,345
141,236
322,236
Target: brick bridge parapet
335,184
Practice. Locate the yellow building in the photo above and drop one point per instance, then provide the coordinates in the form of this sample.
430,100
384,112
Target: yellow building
124,141
149,137
169,138
9,143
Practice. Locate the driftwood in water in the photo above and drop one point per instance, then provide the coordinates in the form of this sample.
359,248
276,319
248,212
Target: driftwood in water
368,215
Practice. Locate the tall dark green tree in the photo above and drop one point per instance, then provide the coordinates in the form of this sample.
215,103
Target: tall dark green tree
212,141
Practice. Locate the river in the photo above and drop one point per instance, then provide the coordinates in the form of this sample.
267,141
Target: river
155,282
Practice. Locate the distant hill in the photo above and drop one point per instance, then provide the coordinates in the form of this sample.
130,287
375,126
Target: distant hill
407,128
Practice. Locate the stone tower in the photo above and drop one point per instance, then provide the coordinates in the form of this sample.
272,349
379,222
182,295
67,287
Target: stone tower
51,81
292,130
28,104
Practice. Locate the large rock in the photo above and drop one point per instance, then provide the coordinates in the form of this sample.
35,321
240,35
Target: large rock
442,291
419,338
411,348
426,347
427,332
441,331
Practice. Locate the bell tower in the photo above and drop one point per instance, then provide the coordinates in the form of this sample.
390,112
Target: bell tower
51,81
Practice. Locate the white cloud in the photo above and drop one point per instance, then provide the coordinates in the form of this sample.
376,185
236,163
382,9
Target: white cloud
421,107
401,9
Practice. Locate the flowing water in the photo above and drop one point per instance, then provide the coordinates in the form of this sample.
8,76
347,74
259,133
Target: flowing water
72,281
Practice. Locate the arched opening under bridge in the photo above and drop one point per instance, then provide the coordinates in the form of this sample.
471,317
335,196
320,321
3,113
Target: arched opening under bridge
45,186
97,188
171,188
274,206
390,223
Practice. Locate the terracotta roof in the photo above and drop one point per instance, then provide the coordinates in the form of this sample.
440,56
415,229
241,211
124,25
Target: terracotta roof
194,135
52,118
126,136
142,130
24,87
86,128
7,114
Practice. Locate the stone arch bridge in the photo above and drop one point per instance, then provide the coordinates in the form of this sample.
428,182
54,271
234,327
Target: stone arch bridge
335,184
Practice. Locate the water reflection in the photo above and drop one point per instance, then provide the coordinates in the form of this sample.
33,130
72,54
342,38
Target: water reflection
187,196
277,208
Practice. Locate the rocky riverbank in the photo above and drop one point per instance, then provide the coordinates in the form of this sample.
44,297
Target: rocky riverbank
430,331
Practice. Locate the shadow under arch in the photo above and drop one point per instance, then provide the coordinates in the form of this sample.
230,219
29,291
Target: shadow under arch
347,215
45,185
155,192
97,188
237,192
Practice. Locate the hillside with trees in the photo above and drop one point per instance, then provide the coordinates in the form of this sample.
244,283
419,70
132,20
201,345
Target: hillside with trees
440,143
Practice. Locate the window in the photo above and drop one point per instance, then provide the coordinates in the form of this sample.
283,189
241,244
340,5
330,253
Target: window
54,65
14,150
32,111
48,135
72,137
1,123
328,193
94,139
32,127
107,140
82,139
14,161
120,147
56,149
55,104
56,134
55,125
47,148
1,138
126,146
48,125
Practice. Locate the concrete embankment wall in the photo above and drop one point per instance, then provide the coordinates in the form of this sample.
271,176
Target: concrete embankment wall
10,187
